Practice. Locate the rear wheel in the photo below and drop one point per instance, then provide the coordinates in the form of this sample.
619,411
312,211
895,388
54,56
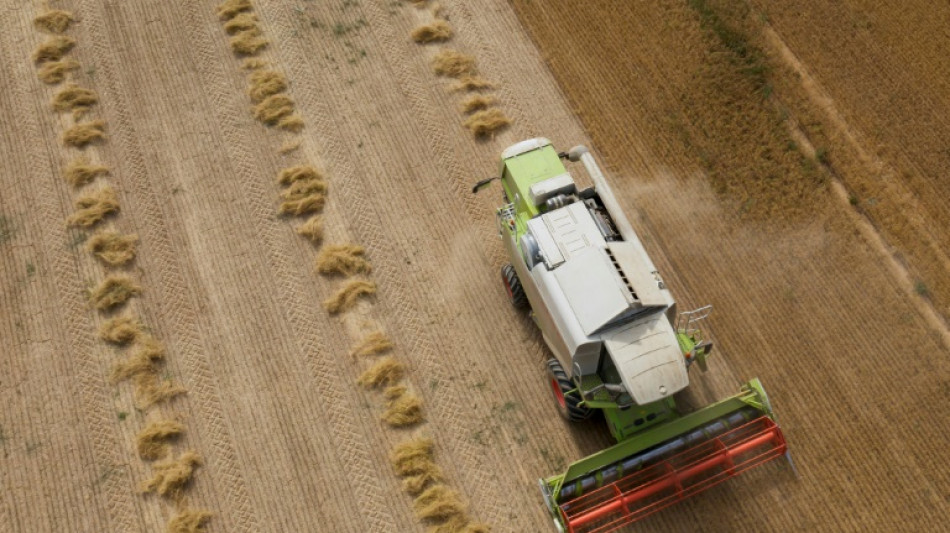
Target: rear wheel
513,285
566,397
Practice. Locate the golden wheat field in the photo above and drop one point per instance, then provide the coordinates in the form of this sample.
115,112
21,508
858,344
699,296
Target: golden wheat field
245,285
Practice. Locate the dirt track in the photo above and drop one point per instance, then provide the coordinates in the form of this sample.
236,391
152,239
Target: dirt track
290,442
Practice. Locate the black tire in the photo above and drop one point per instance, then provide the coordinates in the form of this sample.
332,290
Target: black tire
567,403
513,285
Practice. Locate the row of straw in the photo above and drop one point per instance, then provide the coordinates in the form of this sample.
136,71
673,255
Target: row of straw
97,202
266,87
303,194
483,117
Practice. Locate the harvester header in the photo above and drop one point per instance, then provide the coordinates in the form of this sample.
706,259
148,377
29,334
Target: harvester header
620,348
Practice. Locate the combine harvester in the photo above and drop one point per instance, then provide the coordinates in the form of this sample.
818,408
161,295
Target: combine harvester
620,347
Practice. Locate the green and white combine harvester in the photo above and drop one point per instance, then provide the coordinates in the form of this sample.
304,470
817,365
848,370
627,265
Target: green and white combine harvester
619,347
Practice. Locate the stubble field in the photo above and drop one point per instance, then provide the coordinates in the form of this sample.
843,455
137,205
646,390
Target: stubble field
735,137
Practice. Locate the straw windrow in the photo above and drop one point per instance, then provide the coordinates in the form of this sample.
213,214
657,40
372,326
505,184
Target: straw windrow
471,83
264,83
345,259
150,389
485,123
300,172
373,344
403,408
231,8
112,248
189,521
248,42
240,22
438,502
386,371
453,64
347,296
74,97
84,133
312,229
120,330
437,31
273,108
476,102
53,72
92,207
144,360
53,49
170,477
80,172
54,21
113,292
152,441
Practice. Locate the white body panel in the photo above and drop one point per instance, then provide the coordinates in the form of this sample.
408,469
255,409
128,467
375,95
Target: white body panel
588,293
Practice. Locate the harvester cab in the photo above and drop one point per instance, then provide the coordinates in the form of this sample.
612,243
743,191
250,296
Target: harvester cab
619,347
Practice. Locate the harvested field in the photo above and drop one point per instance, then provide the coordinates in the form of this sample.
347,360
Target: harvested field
785,163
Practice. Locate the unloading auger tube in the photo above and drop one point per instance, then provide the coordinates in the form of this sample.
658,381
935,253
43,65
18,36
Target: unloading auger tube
607,316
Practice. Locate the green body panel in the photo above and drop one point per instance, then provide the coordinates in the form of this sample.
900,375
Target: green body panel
624,423
752,395
519,173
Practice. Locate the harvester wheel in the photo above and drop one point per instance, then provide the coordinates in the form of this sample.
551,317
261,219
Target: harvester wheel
513,285
566,396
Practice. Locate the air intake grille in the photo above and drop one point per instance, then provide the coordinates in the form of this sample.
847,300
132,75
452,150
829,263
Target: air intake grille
623,276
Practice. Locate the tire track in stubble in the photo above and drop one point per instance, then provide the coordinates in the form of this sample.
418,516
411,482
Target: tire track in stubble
179,309
117,484
409,308
351,444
